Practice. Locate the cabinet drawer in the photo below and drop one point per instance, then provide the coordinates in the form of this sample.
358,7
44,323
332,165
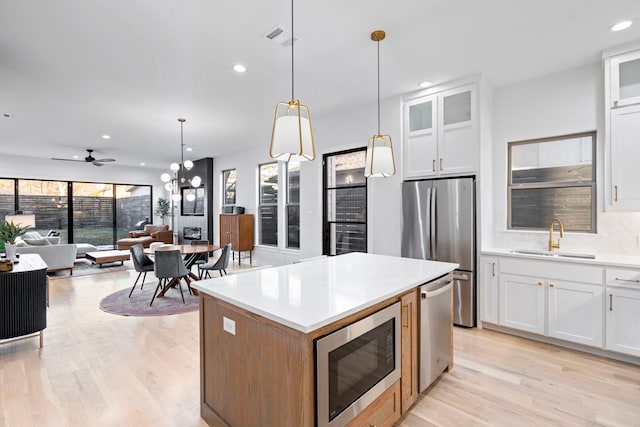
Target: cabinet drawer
384,411
552,269
626,278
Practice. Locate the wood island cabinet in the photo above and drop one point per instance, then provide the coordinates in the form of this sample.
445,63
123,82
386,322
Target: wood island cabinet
409,379
237,230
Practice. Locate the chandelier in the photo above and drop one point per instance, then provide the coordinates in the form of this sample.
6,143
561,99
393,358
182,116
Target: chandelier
174,183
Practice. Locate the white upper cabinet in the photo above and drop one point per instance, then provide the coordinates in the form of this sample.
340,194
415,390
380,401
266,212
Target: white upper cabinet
624,78
622,135
440,134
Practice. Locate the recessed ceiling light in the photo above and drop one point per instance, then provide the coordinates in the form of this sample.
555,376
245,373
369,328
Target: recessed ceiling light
189,149
622,25
239,68
142,164
425,84
105,136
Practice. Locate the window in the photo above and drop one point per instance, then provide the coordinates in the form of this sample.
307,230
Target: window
268,204
49,202
133,202
345,202
93,213
228,190
553,178
293,205
195,206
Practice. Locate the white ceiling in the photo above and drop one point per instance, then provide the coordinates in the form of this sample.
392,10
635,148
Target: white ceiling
72,70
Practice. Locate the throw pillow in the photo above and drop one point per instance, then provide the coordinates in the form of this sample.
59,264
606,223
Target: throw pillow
37,242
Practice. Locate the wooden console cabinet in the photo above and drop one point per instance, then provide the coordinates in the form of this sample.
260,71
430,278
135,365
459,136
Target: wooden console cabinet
237,230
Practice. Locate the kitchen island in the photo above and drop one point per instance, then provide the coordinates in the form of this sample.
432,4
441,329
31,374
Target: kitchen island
258,332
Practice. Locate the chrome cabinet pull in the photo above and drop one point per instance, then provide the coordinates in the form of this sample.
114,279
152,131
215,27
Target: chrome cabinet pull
493,269
441,167
551,285
627,280
610,302
540,283
433,165
615,187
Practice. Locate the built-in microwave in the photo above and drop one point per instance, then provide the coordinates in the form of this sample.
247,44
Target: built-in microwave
355,365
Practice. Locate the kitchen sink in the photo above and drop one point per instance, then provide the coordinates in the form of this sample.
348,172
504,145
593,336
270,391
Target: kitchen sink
553,254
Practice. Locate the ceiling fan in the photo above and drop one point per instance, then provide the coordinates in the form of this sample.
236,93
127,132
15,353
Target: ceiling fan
88,159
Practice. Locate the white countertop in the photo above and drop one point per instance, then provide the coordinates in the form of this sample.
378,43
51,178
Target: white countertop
626,261
312,294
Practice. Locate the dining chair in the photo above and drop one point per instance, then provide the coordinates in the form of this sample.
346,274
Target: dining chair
170,270
202,258
221,264
142,264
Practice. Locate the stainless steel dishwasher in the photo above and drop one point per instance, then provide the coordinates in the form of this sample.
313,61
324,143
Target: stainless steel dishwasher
435,329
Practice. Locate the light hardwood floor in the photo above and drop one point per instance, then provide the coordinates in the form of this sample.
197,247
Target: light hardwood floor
98,369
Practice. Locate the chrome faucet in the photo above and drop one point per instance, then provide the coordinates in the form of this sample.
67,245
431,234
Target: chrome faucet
552,245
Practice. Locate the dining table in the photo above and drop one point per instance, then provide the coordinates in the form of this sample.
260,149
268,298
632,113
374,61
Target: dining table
191,254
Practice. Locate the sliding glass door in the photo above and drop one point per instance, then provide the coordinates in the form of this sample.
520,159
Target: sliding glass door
48,200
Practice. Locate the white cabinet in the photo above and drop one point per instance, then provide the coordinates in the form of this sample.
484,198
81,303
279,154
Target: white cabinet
625,152
522,303
623,311
560,300
489,289
622,133
624,79
575,312
440,134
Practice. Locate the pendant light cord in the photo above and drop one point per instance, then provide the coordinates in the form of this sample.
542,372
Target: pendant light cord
181,148
292,41
378,43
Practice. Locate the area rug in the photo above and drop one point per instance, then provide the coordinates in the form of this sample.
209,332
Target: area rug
138,305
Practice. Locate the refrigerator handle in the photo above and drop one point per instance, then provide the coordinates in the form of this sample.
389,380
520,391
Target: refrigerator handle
433,224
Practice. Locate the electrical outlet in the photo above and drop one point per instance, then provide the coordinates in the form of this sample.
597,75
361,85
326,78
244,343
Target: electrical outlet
229,325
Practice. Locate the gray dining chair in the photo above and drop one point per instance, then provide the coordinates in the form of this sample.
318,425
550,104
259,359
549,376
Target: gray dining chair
142,264
221,264
202,258
169,265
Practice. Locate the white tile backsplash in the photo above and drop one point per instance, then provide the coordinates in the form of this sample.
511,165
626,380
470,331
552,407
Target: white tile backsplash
617,235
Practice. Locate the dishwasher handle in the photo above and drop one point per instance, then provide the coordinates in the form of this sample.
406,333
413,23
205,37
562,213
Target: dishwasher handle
446,287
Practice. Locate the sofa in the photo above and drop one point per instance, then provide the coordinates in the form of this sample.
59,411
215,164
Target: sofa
151,233
57,256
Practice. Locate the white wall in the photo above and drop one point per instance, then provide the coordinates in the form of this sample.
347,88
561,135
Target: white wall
559,104
347,128
45,169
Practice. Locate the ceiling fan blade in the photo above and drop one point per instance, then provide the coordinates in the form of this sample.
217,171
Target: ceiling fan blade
104,160
68,160
95,163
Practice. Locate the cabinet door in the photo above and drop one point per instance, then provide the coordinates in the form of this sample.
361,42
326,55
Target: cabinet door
420,145
623,320
625,152
575,312
457,136
489,290
409,379
522,303
625,79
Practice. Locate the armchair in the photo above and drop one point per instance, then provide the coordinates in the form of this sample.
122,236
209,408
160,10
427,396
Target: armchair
150,234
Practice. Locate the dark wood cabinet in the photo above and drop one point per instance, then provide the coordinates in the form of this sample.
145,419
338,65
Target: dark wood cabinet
237,230
409,305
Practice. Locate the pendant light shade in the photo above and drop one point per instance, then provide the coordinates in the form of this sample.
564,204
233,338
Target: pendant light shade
292,137
379,160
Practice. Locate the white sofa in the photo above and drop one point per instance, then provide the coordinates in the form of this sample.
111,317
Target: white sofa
56,256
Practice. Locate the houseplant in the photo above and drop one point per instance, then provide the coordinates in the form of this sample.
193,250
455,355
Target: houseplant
8,233
162,208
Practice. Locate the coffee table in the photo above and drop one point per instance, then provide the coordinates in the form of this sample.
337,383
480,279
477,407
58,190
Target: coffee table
107,257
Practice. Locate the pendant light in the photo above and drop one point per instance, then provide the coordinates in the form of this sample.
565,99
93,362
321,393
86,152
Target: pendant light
379,159
292,138
173,183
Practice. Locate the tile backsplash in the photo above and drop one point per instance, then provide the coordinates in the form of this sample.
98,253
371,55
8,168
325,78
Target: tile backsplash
617,235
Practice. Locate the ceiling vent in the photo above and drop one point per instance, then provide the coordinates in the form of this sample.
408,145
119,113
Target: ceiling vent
281,36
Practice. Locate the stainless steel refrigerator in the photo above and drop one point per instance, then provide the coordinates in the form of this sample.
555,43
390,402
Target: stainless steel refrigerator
438,223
